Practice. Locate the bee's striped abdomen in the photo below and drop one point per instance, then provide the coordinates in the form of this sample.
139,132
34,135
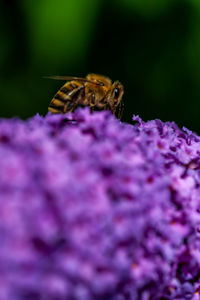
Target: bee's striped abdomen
63,100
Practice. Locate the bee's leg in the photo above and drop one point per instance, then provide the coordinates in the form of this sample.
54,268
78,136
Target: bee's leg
73,99
90,101
103,104
120,110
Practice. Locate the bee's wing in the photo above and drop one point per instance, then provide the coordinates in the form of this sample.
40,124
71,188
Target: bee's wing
74,78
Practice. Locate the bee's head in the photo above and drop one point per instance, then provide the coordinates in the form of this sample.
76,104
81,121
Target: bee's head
117,92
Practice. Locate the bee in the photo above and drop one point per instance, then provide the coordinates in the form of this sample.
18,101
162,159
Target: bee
96,91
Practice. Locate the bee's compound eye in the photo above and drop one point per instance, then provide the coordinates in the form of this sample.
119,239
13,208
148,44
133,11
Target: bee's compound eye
116,93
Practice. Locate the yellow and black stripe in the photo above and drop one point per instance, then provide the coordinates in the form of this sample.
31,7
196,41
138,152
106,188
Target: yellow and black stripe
66,98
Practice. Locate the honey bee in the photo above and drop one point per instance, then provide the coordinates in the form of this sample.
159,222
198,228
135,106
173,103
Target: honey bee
96,91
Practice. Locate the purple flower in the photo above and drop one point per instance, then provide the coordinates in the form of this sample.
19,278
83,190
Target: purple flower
91,208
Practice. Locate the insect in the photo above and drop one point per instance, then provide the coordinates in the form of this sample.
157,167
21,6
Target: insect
96,91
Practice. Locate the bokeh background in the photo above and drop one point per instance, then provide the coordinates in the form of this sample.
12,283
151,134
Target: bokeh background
151,46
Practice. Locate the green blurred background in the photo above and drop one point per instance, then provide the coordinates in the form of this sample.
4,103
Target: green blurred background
151,46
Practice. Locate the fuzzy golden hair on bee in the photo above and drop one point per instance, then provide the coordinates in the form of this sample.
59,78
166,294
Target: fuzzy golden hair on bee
95,91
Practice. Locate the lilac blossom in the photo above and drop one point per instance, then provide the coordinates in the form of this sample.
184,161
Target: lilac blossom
93,209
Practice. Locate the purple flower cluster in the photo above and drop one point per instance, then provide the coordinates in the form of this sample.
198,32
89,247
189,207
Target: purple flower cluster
94,209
